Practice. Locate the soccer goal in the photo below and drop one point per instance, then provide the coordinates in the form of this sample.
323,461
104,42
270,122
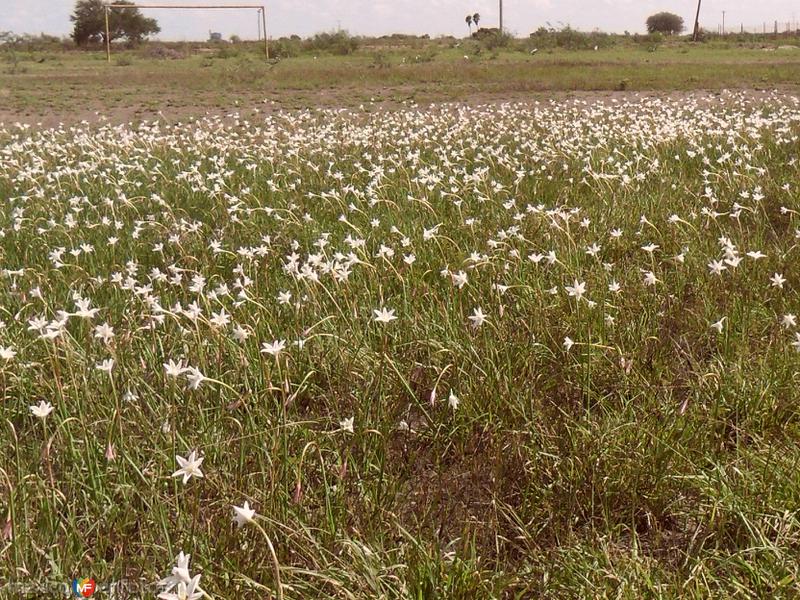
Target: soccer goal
261,15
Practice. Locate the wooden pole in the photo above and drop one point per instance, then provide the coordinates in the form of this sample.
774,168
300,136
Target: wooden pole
264,27
108,39
696,35
501,17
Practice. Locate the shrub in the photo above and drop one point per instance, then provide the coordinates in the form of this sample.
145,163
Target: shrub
651,41
380,60
160,51
569,39
340,43
285,47
496,40
226,52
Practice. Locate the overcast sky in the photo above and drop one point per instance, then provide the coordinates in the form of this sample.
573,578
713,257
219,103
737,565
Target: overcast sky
435,17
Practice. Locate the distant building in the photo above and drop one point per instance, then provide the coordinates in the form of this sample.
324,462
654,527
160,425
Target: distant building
214,36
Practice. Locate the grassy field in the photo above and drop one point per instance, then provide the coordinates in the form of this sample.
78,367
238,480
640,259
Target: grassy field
430,320
500,351
52,86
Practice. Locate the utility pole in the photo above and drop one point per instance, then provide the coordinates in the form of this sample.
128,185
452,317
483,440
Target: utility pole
723,22
108,38
696,35
264,26
501,17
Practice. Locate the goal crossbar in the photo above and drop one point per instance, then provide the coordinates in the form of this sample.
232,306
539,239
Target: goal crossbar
259,7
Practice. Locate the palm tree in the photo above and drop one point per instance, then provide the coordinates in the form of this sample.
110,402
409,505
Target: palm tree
469,23
475,18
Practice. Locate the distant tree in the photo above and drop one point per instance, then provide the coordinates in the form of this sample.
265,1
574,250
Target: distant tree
664,22
128,23
475,19
469,23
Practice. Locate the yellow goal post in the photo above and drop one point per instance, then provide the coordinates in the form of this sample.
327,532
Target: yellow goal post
262,15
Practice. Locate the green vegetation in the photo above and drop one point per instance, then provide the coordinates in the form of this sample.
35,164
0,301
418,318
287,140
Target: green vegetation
487,352
665,22
41,81
540,344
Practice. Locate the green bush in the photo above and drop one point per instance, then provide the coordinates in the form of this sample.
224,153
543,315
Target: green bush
651,41
569,39
285,47
339,43
226,52
380,60
496,40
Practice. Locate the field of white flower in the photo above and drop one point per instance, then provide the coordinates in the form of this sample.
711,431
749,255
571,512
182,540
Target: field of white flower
541,350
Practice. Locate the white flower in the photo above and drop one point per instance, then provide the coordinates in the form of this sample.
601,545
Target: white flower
195,377
650,278
240,334
7,353
284,297
718,325
220,319
104,332
384,316
428,234
185,591
593,249
478,318
459,279
347,424
83,309
578,289
180,573
778,280
789,321
243,514
716,267
190,466
273,349
106,365
42,409
174,369
453,401
568,343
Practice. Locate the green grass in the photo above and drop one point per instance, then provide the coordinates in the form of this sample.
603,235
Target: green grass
135,86
655,457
